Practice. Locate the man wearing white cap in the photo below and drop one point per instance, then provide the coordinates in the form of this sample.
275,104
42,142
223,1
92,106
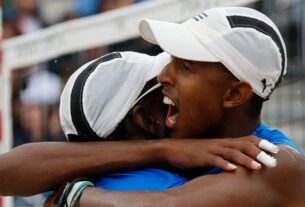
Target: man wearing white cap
226,62
114,97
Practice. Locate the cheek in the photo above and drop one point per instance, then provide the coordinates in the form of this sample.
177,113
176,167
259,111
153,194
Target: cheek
203,108
201,113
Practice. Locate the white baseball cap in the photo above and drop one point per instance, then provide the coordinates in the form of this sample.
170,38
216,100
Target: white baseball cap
100,93
244,40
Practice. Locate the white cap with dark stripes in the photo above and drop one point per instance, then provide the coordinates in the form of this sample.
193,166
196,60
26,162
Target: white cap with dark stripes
100,93
244,40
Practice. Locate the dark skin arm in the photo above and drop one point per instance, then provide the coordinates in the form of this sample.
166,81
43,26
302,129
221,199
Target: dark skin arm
40,167
283,186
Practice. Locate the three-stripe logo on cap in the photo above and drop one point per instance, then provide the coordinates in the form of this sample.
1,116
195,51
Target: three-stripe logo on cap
201,16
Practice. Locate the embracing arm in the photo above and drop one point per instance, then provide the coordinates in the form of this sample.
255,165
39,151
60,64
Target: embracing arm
34,168
280,186
37,167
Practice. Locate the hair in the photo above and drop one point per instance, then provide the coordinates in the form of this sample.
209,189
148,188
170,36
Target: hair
255,105
120,131
227,75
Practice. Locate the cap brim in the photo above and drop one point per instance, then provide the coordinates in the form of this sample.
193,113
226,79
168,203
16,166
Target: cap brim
175,39
160,61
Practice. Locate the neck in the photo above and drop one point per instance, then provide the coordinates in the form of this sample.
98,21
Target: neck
240,128
236,124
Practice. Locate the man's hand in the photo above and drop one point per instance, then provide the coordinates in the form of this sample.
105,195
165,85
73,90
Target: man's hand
240,188
73,160
222,153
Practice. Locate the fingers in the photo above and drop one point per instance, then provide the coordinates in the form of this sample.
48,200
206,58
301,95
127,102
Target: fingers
228,166
266,159
262,156
263,144
246,151
219,162
246,159
250,149
268,146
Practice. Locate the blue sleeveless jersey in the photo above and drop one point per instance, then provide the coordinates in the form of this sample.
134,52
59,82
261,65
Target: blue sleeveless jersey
158,179
143,179
272,135
275,136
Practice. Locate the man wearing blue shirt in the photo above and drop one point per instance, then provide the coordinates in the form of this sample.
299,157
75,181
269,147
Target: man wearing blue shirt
225,63
112,98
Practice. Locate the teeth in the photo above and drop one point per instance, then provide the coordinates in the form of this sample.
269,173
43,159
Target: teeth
168,101
172,119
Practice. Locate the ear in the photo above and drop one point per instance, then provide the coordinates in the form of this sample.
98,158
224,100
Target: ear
144,120
237,94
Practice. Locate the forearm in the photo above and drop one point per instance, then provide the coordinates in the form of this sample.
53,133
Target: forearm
240,188
39,167
193,194
94,197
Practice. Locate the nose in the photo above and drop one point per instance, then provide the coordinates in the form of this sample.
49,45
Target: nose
166,77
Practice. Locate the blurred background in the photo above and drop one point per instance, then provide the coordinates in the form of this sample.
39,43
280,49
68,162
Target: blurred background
35,90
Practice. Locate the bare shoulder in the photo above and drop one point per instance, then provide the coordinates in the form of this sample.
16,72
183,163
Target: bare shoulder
282,186
288,177
286,181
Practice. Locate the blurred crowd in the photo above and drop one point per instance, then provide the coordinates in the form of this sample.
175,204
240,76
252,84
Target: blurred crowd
36,89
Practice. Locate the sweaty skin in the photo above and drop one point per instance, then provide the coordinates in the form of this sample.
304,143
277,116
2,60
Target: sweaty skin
264,188
223,100
40,167
207,101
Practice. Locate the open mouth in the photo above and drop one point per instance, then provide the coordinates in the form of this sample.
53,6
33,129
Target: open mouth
172,113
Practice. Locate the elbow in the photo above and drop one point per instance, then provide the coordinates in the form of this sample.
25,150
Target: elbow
4,182
11,172
14,187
